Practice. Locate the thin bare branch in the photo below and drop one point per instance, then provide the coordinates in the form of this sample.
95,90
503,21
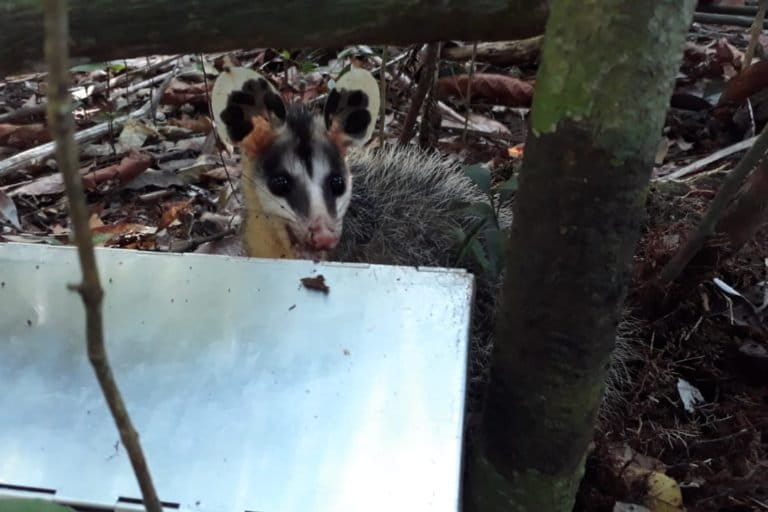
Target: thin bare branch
425,82
383,88
62,128
469,94
755,31
731,185
698,165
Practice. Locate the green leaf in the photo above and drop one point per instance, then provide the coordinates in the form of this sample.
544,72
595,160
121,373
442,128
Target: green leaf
470,235
509,185
30,505
307,66
476,248
285,54
87,68
495,241
480,176
459,235
508,188
99,239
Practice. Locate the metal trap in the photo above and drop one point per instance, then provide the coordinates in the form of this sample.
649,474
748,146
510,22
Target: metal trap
250,391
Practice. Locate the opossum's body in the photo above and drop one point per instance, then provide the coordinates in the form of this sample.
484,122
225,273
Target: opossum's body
401,213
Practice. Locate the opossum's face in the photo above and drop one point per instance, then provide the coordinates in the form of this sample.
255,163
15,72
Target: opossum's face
302,179
294,160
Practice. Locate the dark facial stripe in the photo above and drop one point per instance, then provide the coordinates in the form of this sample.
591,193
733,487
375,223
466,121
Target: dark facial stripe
299,121
272,165
336,165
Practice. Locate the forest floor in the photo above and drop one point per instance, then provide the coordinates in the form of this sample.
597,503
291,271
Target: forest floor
159,182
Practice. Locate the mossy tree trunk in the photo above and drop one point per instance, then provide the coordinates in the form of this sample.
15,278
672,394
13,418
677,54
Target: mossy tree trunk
106,29
608,68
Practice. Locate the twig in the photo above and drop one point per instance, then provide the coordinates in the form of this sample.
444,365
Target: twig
469,93
191,245
430,118
62,128
728,9
33,155
714,157
755,31
383,89
154,101
425,81
727,191
722,19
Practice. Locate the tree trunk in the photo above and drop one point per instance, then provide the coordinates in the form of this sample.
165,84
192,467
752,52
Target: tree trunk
602,92
106,29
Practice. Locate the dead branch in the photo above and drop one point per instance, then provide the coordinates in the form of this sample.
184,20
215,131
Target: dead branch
501,53
706,228
722,19
755,31
36,154
714,157
119,29
425,82
468,96
62,128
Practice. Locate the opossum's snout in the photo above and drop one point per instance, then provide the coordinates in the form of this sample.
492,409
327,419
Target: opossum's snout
322,236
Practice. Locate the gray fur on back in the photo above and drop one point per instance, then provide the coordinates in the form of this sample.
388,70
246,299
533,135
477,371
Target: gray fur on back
401,214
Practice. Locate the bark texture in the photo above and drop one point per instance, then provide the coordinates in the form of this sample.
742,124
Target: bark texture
105,29
602,92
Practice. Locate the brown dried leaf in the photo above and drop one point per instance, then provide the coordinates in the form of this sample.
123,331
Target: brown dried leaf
201,124
128,232
45,185
129,167
172,212
727,54
180,92
752,80
498,89
23,136
124,228
95,221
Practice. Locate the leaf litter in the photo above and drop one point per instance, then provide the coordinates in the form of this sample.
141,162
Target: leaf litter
158,182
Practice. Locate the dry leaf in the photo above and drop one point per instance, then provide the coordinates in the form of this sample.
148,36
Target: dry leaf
180,92
498,89
129,167
752,80
8,210
134,133
201,124
172,212
95,221
727,54
45,185
23,136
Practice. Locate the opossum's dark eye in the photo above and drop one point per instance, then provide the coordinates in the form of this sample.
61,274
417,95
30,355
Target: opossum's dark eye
337,184
280,184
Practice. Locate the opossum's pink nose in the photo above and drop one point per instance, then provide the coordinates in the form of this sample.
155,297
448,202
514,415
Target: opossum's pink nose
321,238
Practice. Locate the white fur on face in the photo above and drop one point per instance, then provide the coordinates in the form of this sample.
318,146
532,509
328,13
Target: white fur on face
310,202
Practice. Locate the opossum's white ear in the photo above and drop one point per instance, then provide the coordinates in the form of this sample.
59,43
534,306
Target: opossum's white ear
352,107
242,100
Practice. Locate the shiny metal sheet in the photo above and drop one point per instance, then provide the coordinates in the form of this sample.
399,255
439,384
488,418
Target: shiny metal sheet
250,392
